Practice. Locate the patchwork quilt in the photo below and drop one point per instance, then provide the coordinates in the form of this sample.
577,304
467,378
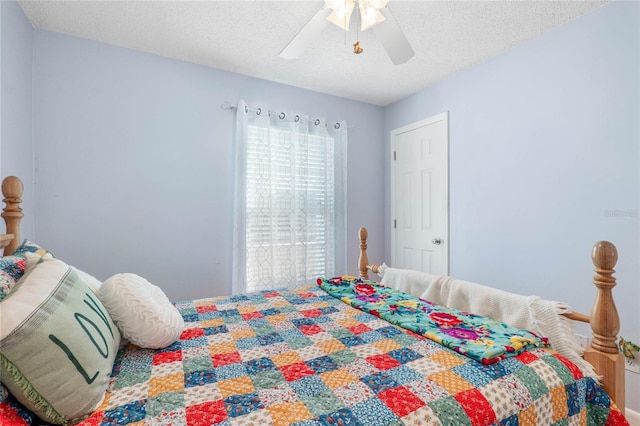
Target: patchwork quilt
303,357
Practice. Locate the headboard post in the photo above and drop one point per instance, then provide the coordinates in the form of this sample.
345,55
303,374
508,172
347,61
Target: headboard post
363,261
12,213
603,351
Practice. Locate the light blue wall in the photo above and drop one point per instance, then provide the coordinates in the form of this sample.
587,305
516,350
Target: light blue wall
134,161
544,146
16,146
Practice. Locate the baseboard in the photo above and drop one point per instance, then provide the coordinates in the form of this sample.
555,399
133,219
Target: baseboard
632,416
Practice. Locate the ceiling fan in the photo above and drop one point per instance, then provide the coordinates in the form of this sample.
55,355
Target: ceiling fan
374,14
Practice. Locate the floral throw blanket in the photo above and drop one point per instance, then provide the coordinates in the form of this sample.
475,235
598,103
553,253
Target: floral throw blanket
480,338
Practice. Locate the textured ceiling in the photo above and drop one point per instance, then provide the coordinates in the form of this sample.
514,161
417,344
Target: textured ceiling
246,37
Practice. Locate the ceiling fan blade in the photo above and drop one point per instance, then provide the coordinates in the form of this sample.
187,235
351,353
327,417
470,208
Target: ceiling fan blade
305,36
393,39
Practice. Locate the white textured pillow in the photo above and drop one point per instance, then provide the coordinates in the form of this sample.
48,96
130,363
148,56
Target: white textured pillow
143,313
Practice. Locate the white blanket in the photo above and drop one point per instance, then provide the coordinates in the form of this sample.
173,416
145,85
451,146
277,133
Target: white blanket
532,313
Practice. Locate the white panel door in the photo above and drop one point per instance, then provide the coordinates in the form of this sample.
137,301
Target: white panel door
420,196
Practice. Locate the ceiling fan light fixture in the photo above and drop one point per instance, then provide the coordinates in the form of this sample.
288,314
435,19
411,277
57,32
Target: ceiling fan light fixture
369,16
340,19
339,4
373,13
341,12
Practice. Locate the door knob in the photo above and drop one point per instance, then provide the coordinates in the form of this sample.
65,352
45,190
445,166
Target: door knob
436,241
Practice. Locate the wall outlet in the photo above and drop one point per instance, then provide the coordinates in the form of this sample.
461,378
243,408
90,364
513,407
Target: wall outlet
632,365
583,340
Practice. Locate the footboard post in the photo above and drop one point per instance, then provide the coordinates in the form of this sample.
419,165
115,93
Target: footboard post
603,351
363,261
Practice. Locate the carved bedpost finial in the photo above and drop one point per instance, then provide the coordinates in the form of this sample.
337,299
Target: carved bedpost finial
605,322
363,261
603,352
604,256
12,213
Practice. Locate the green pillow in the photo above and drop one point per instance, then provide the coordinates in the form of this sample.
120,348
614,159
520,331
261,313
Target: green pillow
57,343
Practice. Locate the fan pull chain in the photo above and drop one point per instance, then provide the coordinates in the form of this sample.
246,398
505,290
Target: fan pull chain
356,45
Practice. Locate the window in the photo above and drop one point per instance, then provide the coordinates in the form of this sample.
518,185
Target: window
290,210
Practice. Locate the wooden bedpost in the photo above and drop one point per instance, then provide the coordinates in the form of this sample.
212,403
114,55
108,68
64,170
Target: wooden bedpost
12,213
603,351
363,261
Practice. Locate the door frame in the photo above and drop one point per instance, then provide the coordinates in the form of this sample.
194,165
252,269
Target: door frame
444,116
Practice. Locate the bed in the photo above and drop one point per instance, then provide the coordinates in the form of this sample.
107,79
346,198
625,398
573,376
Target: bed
307,355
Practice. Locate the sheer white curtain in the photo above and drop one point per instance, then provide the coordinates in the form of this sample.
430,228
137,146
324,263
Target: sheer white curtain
290,197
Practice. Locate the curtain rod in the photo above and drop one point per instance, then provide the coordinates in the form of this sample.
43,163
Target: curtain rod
228,106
